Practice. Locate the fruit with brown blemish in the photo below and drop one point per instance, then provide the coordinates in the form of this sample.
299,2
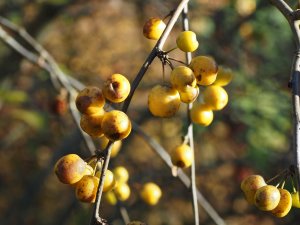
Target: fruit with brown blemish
267,198
116,125
90,100
182,156
86,189
284,205
250,185
153,28
116,88
70,168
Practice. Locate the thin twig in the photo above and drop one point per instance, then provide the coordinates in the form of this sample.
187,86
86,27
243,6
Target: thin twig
190,133
292,17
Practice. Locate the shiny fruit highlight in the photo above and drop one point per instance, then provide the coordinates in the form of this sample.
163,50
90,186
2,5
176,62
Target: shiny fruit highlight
205,69
151,193
163,101
116,88
70,168
250,185
153,28
116,125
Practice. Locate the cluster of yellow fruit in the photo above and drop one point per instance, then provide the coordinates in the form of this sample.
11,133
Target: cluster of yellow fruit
83,176
164,100
278,201
95,121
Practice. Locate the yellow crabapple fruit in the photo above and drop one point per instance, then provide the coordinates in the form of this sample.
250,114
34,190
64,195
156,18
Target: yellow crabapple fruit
121,174
91,124
182,156
189,95
224,76
267,197
151,193
153,28
284,205
70,168
90,100
295,199
205,69
163,101
215,96
245,7
136,223
187,41
109,180
86,189
250,185
116,88
111,198
115,148
122,191
182,77
201,114
116,125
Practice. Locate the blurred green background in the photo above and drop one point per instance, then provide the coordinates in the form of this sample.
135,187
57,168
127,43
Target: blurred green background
91,39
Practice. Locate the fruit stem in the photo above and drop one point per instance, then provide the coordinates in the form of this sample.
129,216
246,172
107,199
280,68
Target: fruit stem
96,219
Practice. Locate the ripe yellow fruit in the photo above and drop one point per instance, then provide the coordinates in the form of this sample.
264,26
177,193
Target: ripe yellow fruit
116,88
151,193
91,124
163,101
111,198
86,189
245,7
250,185
182,77
201,114
121,174
153,28
109,180
267,198
122,191
182,156
295,199
70,168
284,205
116,125
224,76
205,69
189,95
90,100
215,96
187,41
115,148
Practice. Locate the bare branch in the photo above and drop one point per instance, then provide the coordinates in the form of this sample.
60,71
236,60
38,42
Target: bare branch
284,8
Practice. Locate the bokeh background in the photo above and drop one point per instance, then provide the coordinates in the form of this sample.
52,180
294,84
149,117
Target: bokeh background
93,39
